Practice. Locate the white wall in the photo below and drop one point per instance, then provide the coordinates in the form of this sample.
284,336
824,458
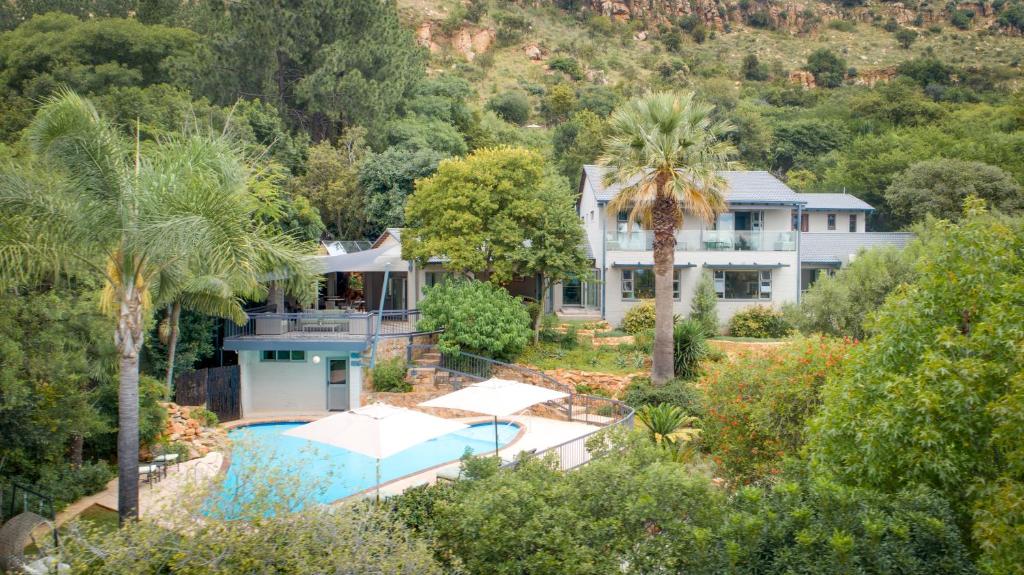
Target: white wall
818,221
291,386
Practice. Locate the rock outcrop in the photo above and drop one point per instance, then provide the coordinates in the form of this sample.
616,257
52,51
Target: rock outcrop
182,428
803,78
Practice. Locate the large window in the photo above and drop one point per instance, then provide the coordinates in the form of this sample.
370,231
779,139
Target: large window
743,284
638,283
831,222
283,355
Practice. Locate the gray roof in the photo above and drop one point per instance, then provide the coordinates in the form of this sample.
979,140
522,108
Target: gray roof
835,248
837,202
745,187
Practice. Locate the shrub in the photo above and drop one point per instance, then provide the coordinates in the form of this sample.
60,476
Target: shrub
690,348
753,69
829,69
639,318
67,483
204,416
568,65
704,308
906,37
644,341
679,393
511,106
757,405
759,321
477,317
842,25
389,376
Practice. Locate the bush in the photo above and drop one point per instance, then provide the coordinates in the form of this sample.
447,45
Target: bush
690,348
704,308
568,65
906,37
477,317
67,483
679,393
829,69
753,69
759,321
639,318
511,106
389,376
204,416
758,404
842,25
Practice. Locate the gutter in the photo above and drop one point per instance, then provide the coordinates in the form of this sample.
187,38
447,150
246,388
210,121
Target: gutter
799,266
604,255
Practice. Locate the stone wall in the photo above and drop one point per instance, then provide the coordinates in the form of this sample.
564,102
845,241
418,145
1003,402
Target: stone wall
396,346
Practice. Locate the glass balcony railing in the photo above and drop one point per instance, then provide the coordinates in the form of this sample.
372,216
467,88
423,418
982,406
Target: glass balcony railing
707,241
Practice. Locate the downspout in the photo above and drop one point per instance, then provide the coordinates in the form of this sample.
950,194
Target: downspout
604,256
799,266
380,315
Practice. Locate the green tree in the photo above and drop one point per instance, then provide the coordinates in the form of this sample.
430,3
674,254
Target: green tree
558,103
331,183
931,397
843,304
939,188
477,317
906,37
479,212
387,179
139,222
326,65
704,307
829,68
512,106
578,141
666,150
753,69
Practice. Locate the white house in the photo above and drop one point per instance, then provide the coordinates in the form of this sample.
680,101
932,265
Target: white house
755,251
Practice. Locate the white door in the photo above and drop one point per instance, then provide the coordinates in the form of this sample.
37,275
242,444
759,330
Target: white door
337,384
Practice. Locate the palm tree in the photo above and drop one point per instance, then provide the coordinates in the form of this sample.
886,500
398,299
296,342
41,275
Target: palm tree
666,424
666,151
144,223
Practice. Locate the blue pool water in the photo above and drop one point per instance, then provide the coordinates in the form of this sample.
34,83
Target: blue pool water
262,450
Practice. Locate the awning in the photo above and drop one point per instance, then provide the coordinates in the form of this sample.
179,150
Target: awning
746,266
646,265
373,260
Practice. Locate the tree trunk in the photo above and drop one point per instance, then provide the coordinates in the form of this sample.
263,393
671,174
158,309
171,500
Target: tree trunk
128,338
172,346
77,444
664,222
540,314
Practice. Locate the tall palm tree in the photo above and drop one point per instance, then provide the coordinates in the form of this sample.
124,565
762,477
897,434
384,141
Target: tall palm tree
666,151
140,221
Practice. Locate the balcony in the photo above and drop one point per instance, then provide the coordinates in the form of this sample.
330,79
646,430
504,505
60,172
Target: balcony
324,325
707,241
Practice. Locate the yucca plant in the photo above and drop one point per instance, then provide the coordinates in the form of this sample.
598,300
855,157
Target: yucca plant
170,220
690,348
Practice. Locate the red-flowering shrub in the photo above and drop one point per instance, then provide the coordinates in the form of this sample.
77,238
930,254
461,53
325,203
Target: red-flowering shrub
757,404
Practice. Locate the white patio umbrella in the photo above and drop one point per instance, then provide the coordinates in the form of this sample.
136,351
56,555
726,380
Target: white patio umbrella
497,397
378,430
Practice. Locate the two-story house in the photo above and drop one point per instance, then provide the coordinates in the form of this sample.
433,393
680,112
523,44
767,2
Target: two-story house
754,251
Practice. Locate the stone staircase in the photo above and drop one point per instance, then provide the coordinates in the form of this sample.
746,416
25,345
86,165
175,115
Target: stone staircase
425,375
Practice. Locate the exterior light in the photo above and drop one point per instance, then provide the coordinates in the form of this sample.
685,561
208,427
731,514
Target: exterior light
316,359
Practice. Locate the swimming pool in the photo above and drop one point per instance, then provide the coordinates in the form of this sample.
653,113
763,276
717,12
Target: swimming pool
342,472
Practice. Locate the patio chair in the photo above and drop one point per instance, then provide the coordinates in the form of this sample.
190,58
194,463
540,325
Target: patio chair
150,473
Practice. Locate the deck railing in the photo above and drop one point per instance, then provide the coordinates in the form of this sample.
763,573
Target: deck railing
342,324
603,412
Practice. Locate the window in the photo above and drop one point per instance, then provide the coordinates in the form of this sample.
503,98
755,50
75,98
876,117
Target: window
805,222
831,222
638,283
743,284
434,278
793,223
283,355
853,222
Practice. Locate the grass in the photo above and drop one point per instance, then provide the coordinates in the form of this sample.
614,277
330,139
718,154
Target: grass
611,333
616,360
100,517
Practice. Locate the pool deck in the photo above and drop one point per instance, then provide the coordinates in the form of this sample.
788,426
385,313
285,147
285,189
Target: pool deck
160,498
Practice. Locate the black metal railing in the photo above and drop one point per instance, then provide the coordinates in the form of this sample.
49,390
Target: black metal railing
603,412
397,322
